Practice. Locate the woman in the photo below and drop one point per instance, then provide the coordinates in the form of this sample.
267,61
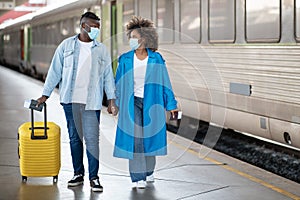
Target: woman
143,92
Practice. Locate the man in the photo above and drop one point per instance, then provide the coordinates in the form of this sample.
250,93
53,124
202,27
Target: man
82,68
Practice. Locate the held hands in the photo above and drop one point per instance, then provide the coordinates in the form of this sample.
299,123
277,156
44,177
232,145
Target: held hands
112,108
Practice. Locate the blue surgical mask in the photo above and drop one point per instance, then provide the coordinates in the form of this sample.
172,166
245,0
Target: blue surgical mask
94,32
134,43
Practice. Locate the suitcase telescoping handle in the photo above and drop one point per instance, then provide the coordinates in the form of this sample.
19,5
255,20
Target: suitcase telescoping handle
39,108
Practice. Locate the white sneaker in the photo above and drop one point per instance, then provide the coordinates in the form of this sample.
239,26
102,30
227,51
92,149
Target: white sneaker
150,179
139,184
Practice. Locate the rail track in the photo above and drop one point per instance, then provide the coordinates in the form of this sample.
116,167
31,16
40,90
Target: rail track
275,158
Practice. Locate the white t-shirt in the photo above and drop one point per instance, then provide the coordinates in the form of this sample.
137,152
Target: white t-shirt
139,73
83,73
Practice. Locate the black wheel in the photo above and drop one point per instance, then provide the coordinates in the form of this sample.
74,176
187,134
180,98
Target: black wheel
24,179
55,178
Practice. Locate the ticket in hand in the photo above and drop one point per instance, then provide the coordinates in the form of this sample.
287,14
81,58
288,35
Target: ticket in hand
32,104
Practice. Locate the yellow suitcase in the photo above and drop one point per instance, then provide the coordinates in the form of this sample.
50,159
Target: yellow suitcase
39,148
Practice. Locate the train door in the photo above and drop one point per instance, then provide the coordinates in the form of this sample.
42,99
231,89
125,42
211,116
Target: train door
22,68
1,48
114,49
25,40
28,46
110,31
107,33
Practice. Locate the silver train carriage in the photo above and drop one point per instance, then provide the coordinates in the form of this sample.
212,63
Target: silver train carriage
28,43
232,63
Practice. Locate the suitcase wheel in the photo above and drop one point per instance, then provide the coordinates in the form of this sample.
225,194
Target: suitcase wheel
24,179
55,178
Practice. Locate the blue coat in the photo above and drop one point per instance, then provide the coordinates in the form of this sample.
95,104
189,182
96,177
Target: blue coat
158,97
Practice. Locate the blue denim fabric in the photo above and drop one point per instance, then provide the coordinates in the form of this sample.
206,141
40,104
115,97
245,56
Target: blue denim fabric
63,70
83,124
140,166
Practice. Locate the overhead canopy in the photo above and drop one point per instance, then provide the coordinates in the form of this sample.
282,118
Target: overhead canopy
20,11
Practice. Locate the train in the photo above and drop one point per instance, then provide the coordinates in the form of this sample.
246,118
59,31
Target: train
232,63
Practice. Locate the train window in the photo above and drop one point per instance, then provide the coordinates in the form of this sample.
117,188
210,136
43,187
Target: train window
221,21
13,39
6,37
165,20
56,32
145,8
39,35
33,33
76,25
43,39
263,20
190,21
50,38
297,19
36,35
128,12
67,27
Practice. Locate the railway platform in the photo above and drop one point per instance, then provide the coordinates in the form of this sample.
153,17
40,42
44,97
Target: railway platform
184,174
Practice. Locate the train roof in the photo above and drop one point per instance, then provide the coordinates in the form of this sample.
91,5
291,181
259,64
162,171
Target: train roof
62,8
54,7
23,19
46,11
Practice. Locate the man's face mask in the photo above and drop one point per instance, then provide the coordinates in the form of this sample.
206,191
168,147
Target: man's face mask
94,32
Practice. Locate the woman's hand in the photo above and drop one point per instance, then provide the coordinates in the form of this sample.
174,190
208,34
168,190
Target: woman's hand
174,113
112,108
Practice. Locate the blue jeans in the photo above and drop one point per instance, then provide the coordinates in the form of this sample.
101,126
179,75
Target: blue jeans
140,166
83,124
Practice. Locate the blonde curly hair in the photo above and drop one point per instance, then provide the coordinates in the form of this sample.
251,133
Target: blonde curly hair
146,29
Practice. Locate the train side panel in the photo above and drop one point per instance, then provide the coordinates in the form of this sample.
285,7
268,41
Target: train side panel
233,71
231,63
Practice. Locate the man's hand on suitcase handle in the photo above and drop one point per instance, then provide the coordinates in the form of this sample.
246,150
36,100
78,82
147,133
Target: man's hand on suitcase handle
41,100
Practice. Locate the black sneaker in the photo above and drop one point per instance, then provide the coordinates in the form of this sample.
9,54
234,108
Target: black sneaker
96,186
76,180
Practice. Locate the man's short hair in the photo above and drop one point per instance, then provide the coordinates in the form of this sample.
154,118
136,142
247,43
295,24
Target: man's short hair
89,15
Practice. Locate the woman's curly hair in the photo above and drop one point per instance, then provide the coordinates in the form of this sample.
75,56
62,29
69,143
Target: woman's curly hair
146,29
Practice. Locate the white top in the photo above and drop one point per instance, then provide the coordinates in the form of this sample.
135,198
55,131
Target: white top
83,73
139,73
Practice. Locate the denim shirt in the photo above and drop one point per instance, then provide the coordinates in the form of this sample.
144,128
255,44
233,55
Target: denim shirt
63,71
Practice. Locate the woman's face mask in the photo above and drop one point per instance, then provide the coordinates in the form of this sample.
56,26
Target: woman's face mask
94,32
134,43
